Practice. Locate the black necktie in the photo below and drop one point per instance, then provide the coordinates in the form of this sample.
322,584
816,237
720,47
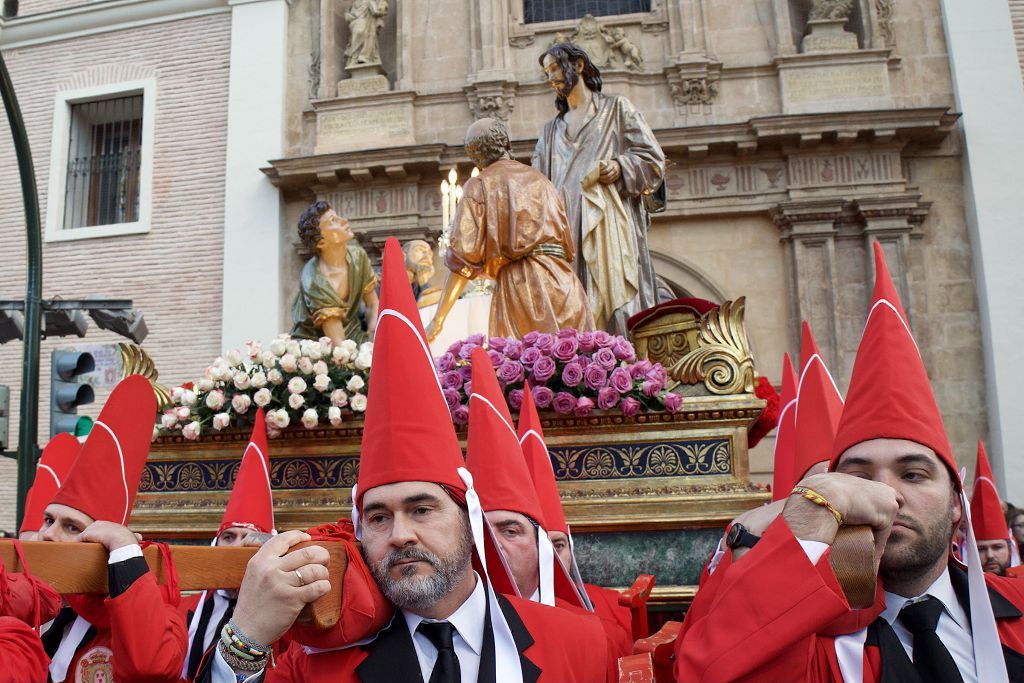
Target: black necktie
931,658
446,668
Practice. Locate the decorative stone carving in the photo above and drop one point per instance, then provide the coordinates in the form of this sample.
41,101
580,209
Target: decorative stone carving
825,32
831,10
609,48
693,86
883,13
495,100
694,91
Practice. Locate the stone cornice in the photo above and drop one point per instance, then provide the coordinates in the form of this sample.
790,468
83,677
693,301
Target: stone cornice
100,17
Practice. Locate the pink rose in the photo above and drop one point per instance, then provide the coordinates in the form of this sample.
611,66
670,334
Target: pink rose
543,396
498,343
530,356
543,369
651,388
564,402
496,358
623,349
510,372
565,348
544,342
514,349
657,373
530,338
455,348
607,398
605,358
466,371
587,342
595,377
603,339
584,406
567,332
466,351
639,369
621,380
629,406
446,362
572,374
673,402
515,399
460,415
452,380
451,397
476,339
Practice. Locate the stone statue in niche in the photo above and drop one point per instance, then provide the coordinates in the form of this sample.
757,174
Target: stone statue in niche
334,282
609,48
826,27
365,20
419,266
831,10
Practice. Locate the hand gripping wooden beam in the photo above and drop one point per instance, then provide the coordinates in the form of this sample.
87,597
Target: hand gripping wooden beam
82,568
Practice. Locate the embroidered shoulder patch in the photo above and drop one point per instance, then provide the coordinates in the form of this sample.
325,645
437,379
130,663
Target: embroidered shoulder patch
96,666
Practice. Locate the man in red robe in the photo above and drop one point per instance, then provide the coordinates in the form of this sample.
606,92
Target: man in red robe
892,470
990,528
422,532
135,634
53,467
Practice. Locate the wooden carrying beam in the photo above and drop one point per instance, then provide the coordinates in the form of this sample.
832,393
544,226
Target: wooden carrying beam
82,568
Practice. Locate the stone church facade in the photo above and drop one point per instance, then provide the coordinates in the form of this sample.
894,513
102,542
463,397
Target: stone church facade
793,141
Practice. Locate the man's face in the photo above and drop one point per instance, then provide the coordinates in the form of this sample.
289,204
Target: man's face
63,524
929,508
995,556
233,537
416,541
1017,528
556,78
560,542
334,229
517,538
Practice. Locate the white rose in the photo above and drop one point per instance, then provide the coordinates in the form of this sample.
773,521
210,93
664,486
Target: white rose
355,383
364,359
350,347
221,421
205,384
169,419
241,381
182,413
215,399
334,415
321,383
258,380
366,346
339,398
262,397
340,355
233,357
296,385
305,366
191,431
293,348
275,377
310,419
311,349
156,433
289,363
268,359
241,403
176,394
325,345
254,348
188,398
320,368
279,418
273,432
296,401
278,347
358,402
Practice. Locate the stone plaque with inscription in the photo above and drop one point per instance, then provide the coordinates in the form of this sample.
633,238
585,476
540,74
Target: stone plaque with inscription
816,84
376,126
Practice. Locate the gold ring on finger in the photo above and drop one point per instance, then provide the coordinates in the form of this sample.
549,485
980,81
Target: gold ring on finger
302,581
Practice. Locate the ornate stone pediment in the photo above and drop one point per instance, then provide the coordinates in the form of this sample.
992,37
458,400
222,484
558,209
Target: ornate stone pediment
608,47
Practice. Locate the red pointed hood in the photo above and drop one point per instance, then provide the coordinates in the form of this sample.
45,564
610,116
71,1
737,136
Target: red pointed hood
890,395
785,442
407,433
818,408
986,509
493,455
252,504
105,476
53,468
531,440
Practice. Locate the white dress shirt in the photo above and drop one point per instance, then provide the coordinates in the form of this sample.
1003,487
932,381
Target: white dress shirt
468,638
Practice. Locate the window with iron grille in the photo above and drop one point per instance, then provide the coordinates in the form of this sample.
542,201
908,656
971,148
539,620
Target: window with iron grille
104,162
536,11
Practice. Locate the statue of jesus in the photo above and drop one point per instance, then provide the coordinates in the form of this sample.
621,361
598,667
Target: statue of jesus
365,20
510,226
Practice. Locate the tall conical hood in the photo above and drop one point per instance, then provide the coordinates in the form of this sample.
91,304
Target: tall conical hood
53,468
105,476
890,395
531,439
785,441
986,509
407,433
819,406
252,504
493,455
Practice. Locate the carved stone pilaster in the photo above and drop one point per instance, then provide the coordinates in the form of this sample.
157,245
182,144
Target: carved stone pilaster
809,231
694,87
492,99
892,221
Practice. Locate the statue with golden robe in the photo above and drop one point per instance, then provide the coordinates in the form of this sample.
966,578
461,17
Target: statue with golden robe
511,226
334,282
609,169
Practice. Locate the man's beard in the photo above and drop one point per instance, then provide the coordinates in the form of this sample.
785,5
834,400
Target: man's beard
419,593
914,559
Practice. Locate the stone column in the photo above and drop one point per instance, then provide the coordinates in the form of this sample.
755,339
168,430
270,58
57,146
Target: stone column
890,221
809,230
252,306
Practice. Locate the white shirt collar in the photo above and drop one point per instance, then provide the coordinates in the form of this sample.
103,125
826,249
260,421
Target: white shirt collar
941,590
468,619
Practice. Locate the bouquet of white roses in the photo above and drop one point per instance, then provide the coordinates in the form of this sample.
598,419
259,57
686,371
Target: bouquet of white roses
305,381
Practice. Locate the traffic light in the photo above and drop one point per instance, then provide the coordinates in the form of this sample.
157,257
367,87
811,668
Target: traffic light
68,391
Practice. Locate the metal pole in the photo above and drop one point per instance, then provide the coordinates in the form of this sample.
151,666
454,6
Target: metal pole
28,426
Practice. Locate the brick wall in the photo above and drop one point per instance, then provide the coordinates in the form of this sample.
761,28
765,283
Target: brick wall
173,273
27,7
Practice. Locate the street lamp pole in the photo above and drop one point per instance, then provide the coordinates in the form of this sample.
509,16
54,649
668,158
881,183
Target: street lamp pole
28,429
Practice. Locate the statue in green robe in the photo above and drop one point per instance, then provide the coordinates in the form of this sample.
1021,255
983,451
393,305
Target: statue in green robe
334,282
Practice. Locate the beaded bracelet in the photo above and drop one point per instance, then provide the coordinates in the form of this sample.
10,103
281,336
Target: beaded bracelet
818,499
231,641
232,659
247,643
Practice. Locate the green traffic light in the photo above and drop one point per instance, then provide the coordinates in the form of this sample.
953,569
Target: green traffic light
83,426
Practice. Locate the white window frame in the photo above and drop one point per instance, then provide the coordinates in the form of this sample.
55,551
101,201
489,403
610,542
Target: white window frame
55,199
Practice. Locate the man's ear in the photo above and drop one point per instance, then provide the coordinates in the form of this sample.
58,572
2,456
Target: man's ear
579,66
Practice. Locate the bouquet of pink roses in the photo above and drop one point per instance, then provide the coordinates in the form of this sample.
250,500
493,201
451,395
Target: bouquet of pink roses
570,372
